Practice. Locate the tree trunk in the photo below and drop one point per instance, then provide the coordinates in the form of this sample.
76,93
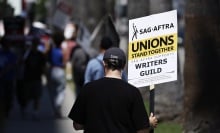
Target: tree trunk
202,63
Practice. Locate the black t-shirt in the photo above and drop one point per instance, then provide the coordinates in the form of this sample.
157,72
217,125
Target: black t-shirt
110,105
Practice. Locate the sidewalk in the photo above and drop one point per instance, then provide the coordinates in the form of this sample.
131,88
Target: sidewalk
46,123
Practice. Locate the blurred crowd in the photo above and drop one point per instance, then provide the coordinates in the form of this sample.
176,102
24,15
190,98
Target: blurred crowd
28,57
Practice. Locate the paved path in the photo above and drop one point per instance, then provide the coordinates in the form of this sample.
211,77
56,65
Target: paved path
46,123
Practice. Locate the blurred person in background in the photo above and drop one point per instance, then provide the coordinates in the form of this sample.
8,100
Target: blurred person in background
8,61
94,69
34,68
79,60
56,77
70,35
75,55
21,93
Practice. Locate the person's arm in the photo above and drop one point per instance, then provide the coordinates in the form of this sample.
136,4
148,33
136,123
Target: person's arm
153,120
78,126
64,48
153,124
87,75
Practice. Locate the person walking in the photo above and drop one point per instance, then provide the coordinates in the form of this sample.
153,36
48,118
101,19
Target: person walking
94,69
57,75
8,62
74,55
34,65
110,104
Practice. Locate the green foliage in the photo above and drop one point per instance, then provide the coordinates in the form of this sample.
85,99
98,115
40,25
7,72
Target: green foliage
168,127
147,105
165,127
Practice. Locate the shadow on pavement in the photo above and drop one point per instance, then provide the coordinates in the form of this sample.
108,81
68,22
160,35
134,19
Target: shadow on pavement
46,122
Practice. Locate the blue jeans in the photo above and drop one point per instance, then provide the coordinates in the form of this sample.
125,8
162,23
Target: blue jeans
56,86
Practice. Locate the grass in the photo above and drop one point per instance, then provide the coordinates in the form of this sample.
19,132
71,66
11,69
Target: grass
166,127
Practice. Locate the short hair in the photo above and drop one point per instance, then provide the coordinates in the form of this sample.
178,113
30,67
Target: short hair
58,38
114,64
106,43
114,58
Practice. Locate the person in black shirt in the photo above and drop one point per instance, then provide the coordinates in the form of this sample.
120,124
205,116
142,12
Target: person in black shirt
110,104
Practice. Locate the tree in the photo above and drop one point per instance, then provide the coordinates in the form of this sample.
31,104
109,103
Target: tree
202,63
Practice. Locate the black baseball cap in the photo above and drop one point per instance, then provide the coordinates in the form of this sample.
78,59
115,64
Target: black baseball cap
116,54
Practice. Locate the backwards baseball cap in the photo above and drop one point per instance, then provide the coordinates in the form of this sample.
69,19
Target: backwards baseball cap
115,54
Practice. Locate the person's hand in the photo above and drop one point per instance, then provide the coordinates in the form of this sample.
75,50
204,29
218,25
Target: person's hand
153,120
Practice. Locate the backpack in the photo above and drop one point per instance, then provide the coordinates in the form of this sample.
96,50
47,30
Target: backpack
78,69
84,51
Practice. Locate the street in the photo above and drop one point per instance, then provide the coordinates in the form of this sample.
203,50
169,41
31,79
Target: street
47,123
